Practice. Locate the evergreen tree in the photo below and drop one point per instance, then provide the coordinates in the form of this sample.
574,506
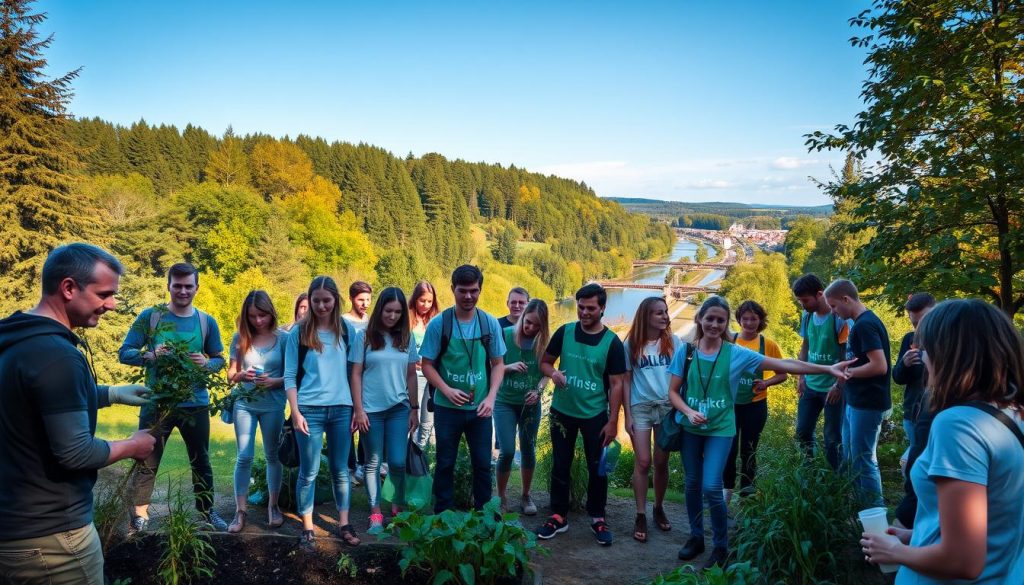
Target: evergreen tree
38,209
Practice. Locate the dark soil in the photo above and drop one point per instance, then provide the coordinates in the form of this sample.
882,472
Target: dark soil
270,559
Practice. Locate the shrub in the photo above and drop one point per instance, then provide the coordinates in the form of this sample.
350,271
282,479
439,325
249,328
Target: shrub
189,556
478,546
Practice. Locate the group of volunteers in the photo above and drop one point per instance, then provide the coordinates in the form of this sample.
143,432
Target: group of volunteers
399,374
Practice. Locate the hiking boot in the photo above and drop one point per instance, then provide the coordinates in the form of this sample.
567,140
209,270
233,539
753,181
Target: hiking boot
136,525
600,530
554,525
719,557
213,521
529,508
693,547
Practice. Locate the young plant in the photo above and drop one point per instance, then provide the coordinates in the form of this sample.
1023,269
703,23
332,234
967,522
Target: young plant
466,548
189,557
735,574
346,566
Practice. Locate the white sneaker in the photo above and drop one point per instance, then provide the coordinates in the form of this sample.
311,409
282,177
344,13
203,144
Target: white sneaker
383,470
360,474
529,508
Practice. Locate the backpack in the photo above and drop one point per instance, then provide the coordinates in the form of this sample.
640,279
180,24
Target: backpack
447,322
670,433
805,321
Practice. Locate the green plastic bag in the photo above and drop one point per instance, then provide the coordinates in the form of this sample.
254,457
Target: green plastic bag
609,458
418,491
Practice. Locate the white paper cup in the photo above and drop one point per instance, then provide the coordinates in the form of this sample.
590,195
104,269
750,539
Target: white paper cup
875,521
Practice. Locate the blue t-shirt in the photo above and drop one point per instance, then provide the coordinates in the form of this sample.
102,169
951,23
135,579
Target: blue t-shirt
971,445
650,373
384,372
325,377
469,331
272,360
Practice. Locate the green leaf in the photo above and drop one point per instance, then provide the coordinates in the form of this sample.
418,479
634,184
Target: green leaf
467,573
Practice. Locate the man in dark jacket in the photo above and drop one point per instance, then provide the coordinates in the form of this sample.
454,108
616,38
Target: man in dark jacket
49,454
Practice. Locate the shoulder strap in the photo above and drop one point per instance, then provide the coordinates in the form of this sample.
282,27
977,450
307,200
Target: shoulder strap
690,349
447,316
1000,416
761,349
301,370
805,319
837,324
486,334
154,320
204,326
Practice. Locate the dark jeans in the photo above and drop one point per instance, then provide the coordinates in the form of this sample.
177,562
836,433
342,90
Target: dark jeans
564,429
194,425
808,408
358,453
449,426
750,421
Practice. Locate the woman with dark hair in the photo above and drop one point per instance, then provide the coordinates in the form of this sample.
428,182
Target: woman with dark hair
300,311
422,308
649,348
706,412
383,384
751,399
257,365
517,406
321,403
969,525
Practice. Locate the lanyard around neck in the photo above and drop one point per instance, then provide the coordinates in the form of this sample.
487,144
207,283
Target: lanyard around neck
704,384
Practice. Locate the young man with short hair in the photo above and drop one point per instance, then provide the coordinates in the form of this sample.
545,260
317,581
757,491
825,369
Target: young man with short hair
360,296
145,341
868,393
49,454
462,355
824,342
588,394
516,302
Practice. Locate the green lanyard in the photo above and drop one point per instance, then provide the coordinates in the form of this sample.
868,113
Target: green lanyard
462,335
700,377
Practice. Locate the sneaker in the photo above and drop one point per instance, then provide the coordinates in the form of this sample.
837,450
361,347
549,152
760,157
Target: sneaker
136,525
376,523
529,508
719,557
600,530
360,474
215,522
693,548
383,470
554,525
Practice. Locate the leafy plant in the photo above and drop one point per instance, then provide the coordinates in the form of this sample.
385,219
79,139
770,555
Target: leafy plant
189,556
735,574
346,566
480,546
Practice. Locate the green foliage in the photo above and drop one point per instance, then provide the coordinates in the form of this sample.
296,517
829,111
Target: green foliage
764,280
504,247
480,546
578,474
38,209
804,234
943,113
346,566
701,255
189,556
736,574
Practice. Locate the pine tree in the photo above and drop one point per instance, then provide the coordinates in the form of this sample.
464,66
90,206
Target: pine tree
37,207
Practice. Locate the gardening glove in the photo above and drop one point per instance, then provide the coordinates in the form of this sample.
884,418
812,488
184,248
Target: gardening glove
130,394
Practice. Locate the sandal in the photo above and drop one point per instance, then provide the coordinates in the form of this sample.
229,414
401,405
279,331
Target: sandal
661,520
275,519
640,528
238,523
307,541
348,535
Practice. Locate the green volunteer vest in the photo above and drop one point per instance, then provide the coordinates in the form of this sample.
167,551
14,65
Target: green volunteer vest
464,367
745,392
719,403
821,349
584,395
514,386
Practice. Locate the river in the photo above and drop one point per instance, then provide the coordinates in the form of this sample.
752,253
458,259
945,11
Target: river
623,302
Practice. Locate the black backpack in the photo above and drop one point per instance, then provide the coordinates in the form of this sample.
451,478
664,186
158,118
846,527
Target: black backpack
447,322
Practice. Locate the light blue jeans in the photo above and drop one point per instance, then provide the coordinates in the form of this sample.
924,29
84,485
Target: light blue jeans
388,432
860,440
270,423
426,428
509,418
704,461
335,422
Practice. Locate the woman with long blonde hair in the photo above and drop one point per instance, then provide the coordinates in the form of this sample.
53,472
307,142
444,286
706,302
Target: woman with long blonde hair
517,406
649,348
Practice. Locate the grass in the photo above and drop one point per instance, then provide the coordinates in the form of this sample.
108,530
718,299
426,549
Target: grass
522,246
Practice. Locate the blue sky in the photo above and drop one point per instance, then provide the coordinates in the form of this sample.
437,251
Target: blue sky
690,101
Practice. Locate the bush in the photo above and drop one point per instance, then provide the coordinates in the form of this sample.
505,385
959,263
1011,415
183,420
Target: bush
479,546
801,524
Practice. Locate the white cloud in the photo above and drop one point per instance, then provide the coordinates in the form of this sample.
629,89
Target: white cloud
788,163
